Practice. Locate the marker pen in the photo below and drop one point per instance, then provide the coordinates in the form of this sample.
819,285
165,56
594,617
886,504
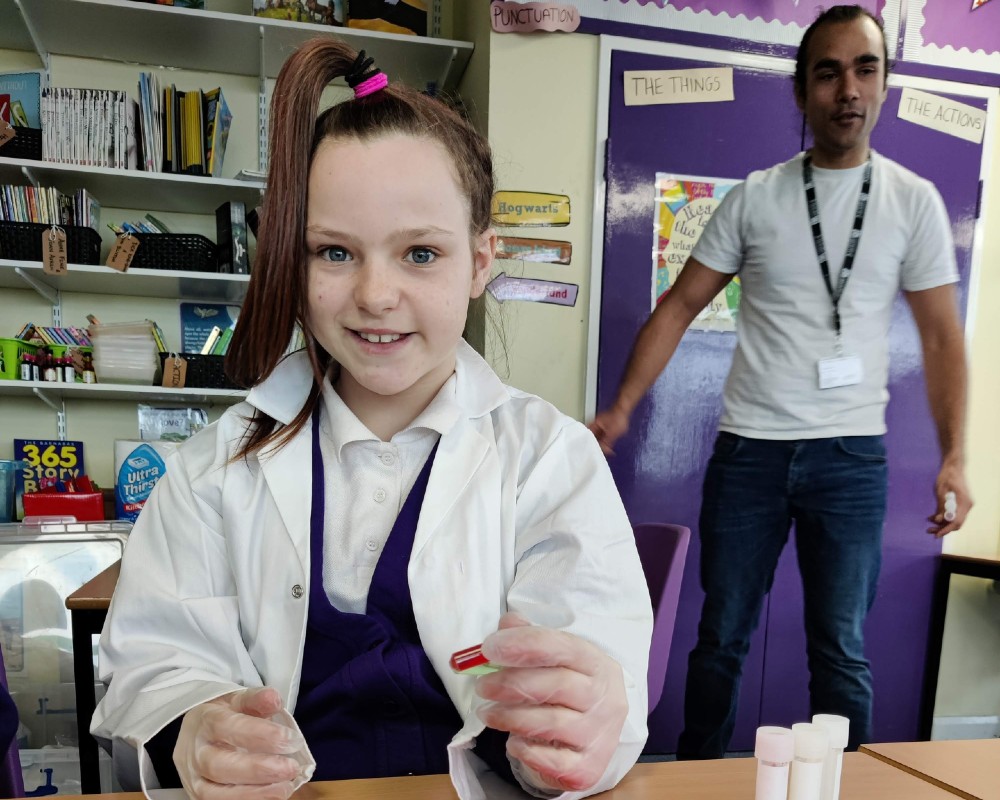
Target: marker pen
775,748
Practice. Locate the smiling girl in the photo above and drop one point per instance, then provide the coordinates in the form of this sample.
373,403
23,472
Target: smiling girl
294,588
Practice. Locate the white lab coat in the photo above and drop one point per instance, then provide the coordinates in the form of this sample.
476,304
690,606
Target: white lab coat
520,513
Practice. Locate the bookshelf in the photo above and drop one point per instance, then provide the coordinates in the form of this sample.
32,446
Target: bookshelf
222,45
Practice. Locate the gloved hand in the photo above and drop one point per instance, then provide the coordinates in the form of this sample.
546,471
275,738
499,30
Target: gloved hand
561,698
242,745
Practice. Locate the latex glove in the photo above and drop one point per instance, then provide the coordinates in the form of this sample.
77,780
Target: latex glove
241,745
561,698
609,426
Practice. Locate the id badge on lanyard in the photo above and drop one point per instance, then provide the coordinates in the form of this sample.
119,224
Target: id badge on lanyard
843,369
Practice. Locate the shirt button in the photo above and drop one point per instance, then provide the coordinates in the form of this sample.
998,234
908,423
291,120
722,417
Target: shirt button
297,591
379,495
388,459
371,545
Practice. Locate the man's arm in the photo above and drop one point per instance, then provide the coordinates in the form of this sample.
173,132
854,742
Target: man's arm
943,343
655,345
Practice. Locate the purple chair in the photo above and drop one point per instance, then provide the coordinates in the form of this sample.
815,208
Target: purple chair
11,783
662,551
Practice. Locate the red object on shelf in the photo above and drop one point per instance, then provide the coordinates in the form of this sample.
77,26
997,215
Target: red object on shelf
85,506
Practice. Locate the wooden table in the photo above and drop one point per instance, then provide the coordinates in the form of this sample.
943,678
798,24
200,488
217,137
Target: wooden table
948,565
88,608
968,768
864,778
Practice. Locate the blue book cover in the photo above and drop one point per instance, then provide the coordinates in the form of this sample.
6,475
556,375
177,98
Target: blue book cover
46,462
198,320
21,98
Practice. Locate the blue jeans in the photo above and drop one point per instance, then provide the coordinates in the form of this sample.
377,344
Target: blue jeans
835,491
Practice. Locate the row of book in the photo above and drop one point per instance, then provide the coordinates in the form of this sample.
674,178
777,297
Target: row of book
74,337
389,16
48,205
196,130
90,127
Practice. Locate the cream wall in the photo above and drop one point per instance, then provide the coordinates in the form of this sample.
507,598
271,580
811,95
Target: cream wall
543,91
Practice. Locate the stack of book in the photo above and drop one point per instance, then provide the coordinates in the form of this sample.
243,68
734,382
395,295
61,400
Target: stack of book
74,337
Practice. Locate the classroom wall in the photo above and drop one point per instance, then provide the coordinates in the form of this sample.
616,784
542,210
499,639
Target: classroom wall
543,91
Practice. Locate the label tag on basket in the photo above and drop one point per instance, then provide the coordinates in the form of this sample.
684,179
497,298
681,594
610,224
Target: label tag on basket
175,371
54,251
122,252
7,133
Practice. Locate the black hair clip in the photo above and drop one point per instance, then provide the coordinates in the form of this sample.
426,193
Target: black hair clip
361,70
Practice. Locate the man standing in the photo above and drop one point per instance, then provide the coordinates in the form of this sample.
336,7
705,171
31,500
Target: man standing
822,244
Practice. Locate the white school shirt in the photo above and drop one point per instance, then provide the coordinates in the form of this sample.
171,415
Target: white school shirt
367,481
785,326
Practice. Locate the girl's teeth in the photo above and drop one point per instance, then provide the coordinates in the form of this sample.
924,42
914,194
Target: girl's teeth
376,338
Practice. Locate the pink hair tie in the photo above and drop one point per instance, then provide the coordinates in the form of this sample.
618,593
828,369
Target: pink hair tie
373,84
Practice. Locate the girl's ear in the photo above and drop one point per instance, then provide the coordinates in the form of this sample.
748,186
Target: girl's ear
483,252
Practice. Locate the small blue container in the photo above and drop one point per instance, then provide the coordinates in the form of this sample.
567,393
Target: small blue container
8,476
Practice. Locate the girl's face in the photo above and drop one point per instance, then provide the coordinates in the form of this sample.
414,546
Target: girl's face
391,265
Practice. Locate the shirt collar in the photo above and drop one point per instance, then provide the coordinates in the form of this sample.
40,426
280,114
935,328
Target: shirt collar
476,388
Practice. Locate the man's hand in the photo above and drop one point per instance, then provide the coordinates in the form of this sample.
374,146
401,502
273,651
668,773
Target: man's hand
609,426
229,749
951,478
561,698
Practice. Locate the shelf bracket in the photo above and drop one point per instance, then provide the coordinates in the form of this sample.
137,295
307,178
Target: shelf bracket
41,52
262,105
59,408
54,296
443,85
30,175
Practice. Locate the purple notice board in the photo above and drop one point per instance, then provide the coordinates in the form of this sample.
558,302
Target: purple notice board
660,464
770,22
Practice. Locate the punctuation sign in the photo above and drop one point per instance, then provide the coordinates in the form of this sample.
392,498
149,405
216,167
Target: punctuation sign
670,86
942,114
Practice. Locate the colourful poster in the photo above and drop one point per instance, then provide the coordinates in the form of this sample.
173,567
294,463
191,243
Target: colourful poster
953,33
683,207
779,22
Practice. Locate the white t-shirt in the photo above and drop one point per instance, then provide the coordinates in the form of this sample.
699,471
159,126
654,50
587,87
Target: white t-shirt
761,231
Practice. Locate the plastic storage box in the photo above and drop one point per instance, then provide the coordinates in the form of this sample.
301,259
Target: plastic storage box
11,351
125,352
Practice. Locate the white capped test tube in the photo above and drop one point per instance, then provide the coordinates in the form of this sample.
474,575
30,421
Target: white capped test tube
775,749
837,728
811,744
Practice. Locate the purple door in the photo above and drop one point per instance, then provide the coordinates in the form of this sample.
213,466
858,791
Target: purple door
660,465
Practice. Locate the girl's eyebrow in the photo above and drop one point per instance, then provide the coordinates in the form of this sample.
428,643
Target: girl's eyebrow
406,233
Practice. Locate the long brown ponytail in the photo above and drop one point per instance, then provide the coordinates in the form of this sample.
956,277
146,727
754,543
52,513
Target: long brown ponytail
277,295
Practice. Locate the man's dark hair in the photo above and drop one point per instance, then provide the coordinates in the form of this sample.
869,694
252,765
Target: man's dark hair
833,15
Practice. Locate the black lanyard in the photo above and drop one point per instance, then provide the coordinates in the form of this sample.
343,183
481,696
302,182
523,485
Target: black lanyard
852,243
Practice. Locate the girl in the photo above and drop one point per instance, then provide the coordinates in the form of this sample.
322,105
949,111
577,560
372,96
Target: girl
296,584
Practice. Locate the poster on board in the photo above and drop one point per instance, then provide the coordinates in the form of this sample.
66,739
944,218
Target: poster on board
683,207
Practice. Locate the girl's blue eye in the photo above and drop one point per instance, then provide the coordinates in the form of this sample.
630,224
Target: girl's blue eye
335,254
422,256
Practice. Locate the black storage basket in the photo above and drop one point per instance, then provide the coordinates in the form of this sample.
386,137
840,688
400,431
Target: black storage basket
203,372
22,241
27,143
189,252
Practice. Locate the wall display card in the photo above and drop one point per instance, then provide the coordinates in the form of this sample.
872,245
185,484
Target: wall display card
542,251
964,34
779,22
683,207
520,17
943,114
531,209
504,287
669,86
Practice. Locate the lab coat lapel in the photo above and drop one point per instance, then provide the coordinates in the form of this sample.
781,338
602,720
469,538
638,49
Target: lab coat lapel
287,472
460,455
